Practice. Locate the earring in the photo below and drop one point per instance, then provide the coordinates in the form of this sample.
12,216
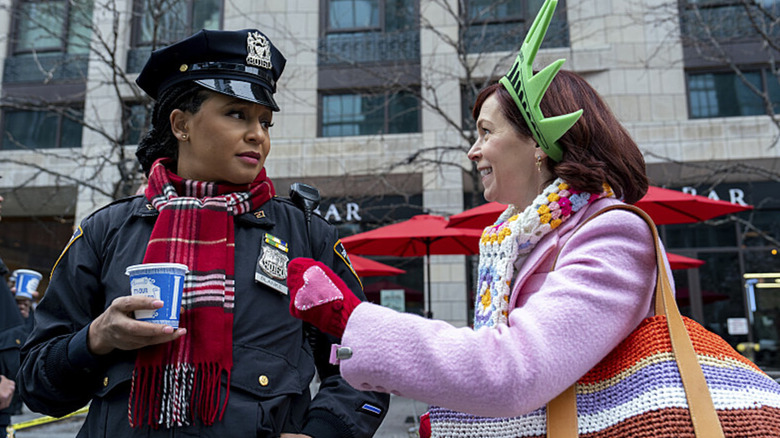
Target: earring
538,163
184,137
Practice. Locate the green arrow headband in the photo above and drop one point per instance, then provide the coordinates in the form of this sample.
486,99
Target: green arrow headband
527,90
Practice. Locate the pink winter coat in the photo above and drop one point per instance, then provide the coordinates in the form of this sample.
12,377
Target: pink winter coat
561,324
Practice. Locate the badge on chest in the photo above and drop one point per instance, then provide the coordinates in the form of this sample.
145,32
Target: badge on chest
271,269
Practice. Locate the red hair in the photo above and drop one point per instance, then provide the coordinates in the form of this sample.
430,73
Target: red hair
597,149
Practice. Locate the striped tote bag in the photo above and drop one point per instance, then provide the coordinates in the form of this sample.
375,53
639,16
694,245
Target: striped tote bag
670,378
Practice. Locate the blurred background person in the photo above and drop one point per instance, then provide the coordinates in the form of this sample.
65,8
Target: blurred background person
11,326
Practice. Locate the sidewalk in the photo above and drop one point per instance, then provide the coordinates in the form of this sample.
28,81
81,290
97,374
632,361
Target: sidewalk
402,417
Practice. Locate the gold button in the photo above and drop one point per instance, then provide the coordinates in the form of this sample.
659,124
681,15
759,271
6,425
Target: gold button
183,68
18,342
105,381
263,380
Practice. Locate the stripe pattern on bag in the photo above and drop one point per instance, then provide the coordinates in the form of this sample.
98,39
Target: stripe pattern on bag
636,390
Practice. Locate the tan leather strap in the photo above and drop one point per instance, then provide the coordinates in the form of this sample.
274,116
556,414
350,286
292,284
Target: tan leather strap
563,408
559,422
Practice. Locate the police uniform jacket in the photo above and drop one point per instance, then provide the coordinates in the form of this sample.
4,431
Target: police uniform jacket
274,357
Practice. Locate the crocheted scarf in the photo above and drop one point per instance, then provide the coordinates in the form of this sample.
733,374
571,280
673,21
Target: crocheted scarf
174,381
502,248
505,244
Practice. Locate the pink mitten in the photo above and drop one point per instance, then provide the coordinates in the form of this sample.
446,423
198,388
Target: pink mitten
318,296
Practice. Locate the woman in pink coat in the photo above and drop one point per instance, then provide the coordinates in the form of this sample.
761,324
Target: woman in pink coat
536,330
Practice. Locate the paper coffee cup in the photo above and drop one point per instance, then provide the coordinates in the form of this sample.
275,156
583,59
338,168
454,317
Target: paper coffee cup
27,282
162,281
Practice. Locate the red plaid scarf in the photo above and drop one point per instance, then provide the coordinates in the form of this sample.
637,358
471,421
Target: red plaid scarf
174,381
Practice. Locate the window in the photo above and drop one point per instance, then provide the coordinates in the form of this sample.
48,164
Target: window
729,19
369,31
383,37
725,94
492,10
369,114
353,14
43,27
50,41
501,25
24,129
161,22
53,26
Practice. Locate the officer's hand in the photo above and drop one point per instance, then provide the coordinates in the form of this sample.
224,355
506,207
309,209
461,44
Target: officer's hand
34,293
7,387
116,328
319,296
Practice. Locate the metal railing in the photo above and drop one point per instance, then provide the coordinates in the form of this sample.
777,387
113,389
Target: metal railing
363,47
44,67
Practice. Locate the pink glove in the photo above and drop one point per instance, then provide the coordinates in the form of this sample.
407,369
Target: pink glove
318,296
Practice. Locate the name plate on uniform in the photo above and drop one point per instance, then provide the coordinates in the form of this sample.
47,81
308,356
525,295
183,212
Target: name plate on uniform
271,268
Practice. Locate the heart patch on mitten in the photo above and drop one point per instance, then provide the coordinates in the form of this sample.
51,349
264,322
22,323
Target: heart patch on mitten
309,297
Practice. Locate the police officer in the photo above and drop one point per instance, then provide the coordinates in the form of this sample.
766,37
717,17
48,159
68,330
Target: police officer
239,364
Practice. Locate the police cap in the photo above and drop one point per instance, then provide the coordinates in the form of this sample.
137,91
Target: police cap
240,63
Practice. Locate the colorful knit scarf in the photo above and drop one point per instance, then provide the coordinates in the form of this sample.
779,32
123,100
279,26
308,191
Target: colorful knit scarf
174,381
502,248
512,237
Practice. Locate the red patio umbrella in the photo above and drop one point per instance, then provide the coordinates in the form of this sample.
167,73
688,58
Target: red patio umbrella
677,261
663,205
477,217
422,235
674,207
371,268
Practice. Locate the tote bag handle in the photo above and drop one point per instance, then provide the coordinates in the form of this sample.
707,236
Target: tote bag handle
562,410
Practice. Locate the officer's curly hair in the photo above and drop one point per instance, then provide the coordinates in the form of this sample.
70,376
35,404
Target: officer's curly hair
159,141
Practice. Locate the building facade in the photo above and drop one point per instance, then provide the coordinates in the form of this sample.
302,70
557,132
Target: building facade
375,102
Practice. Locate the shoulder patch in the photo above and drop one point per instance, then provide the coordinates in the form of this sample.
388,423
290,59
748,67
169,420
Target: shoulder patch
341,252
76,234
